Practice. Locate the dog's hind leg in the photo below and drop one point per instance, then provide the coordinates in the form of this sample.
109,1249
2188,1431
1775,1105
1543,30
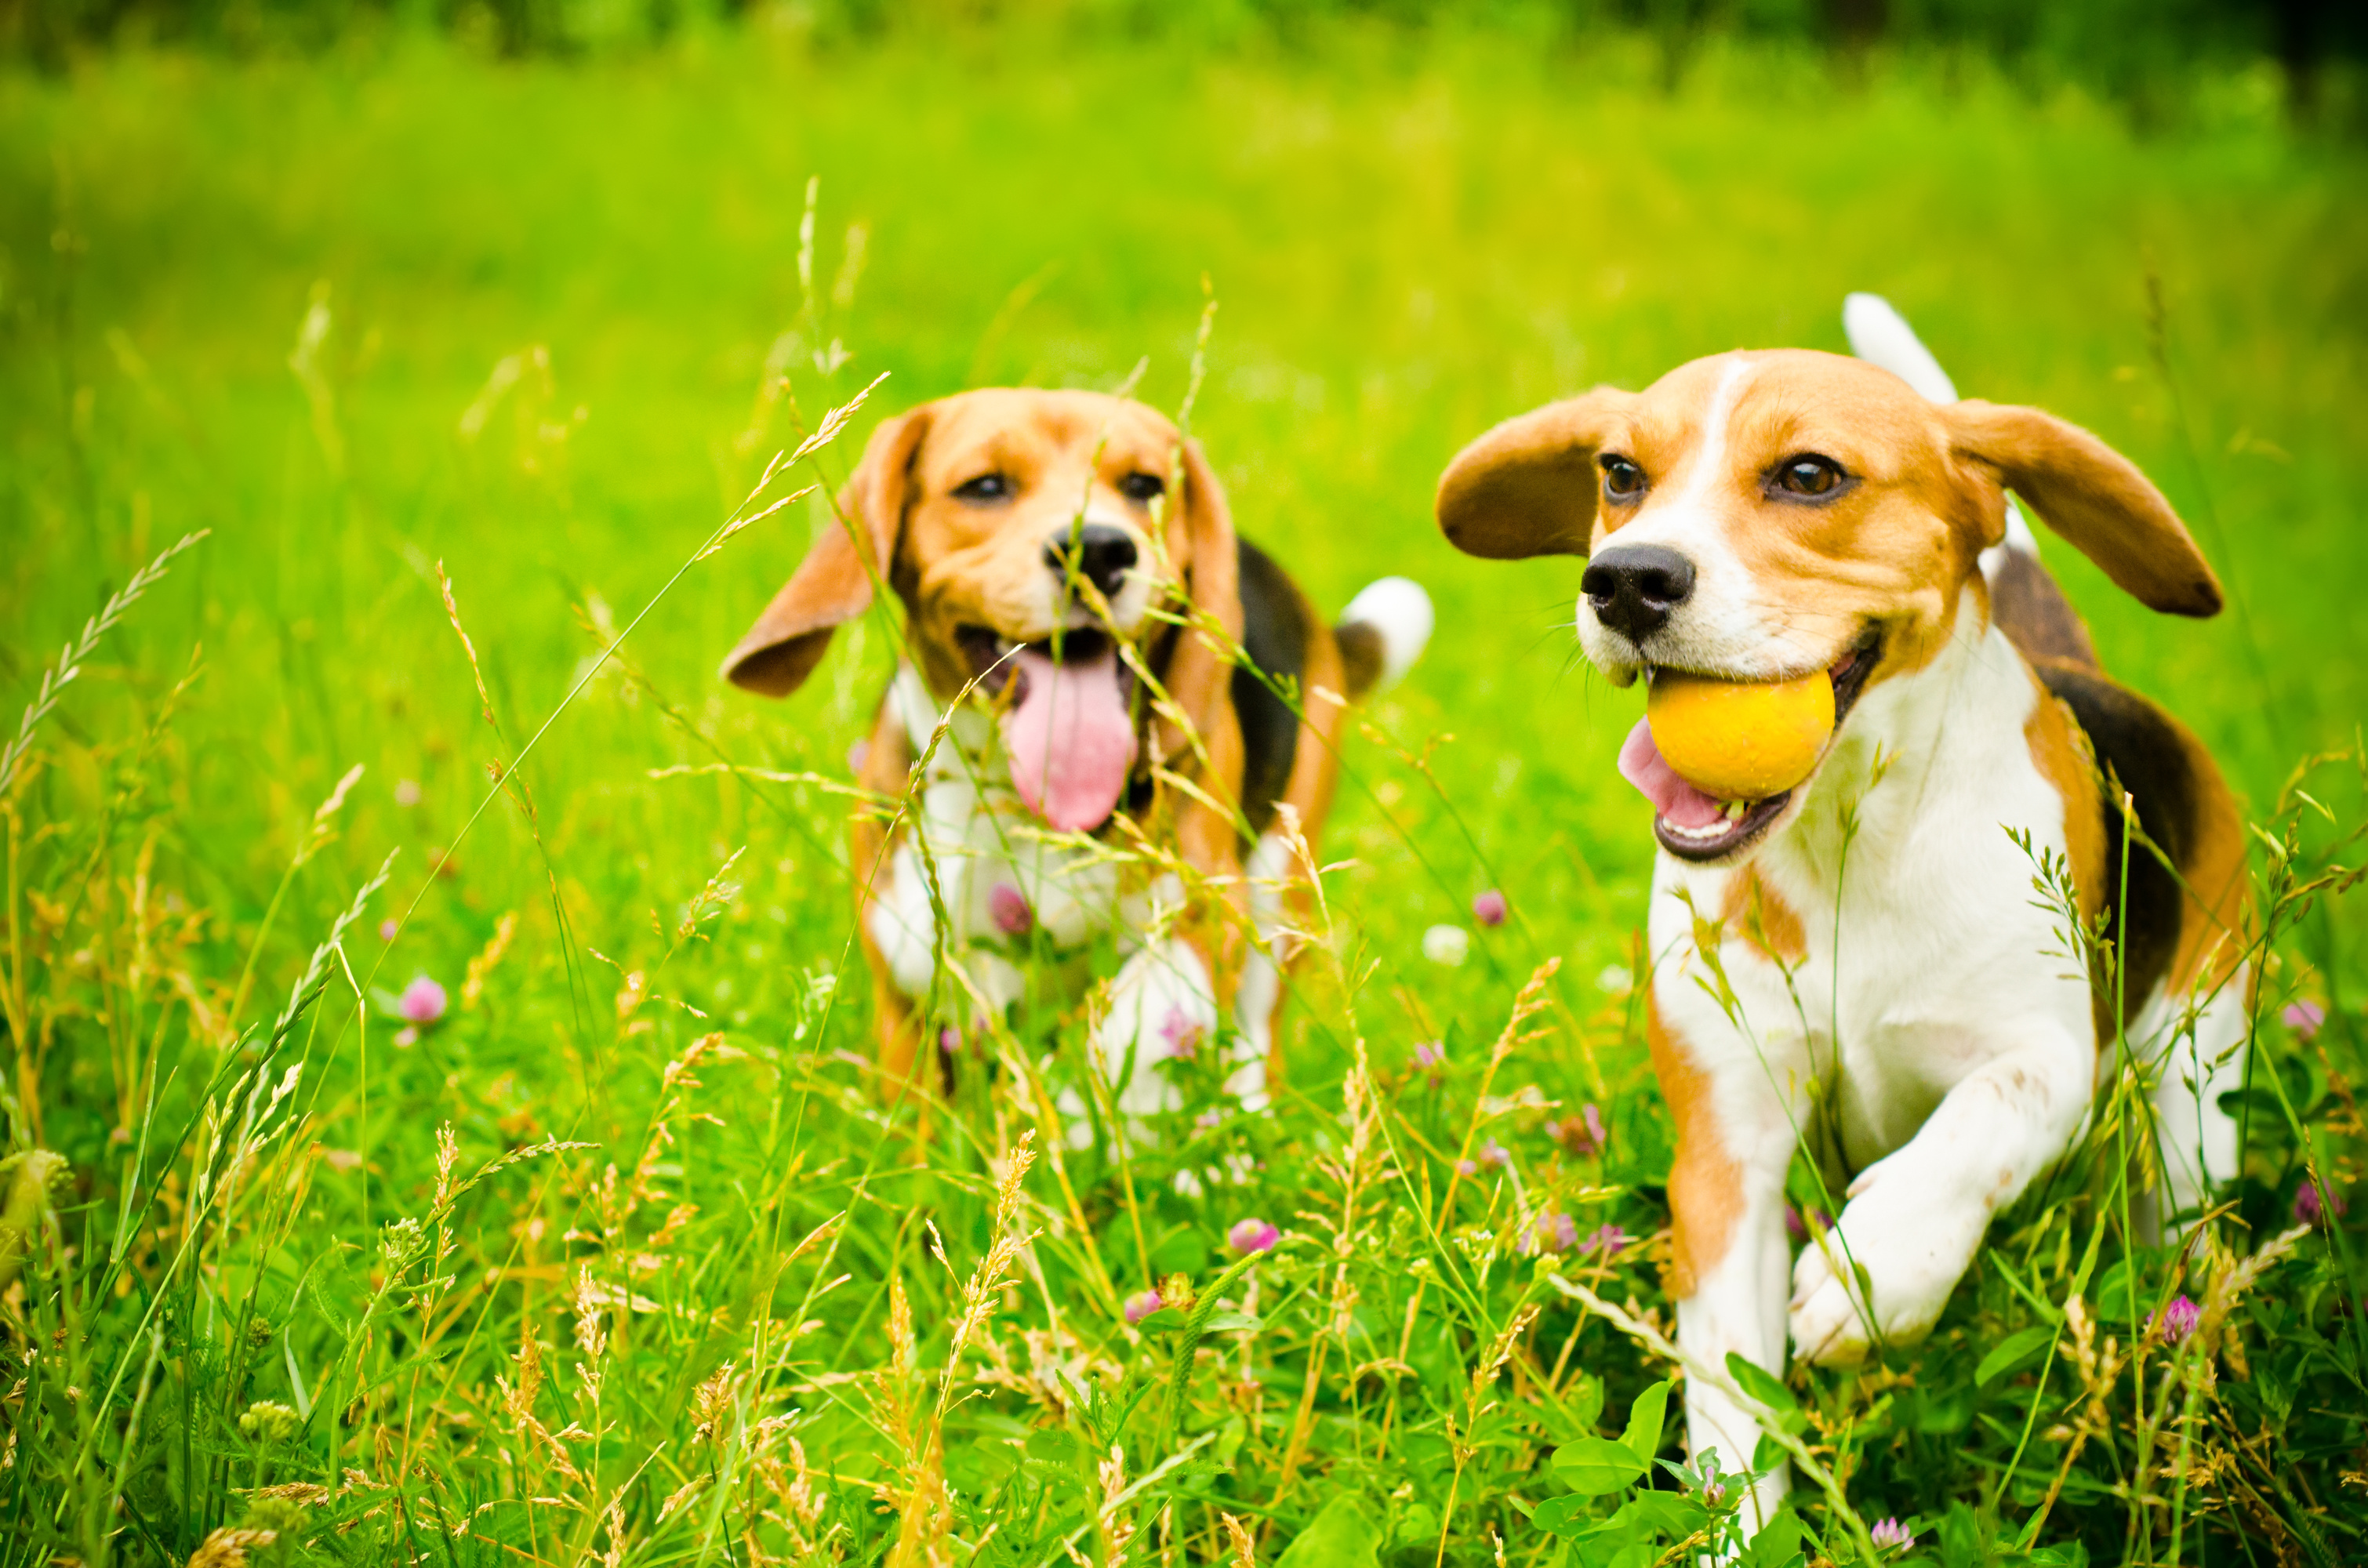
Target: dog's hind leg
1280,912
2197,1139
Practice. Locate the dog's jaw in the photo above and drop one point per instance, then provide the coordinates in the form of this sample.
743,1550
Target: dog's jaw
1744,826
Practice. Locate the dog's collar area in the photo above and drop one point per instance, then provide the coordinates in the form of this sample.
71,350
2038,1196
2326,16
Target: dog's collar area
1744,821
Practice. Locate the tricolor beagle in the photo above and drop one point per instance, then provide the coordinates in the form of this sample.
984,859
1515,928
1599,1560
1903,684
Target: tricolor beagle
1900,1010
1066,559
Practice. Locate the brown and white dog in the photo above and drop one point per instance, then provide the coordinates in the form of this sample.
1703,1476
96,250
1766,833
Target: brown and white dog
1051,550
1901,1012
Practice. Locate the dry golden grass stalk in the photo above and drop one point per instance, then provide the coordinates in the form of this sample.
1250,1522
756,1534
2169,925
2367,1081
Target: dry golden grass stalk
226,1548
473,988
980,1290
1245,1554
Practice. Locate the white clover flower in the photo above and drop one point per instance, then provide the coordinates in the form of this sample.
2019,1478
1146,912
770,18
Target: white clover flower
1450,945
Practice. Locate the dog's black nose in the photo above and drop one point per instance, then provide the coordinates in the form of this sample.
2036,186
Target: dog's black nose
1634,590
1102,554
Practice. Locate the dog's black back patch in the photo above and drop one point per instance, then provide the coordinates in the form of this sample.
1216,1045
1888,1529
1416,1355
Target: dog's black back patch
2137,743
1274,635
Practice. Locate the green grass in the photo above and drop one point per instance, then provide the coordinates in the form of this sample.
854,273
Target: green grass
1410,237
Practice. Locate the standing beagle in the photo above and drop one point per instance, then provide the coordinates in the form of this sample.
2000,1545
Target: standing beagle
1098,647
1897,1007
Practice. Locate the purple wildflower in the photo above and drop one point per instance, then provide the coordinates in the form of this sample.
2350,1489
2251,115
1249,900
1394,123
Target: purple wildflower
1007,907
1798,1226
1182,1034
2303,1019
1142,1304
1891,1536
1489,908
2178,1320
423,1001
1252,1235
1608,1240
406,791
2312,1202
1556,1232
1491,1154
1581,1136
857,754
949,1040
387,929
1431,1056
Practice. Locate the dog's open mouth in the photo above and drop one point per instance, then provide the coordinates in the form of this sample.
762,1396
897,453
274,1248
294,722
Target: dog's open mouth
1694,825
1068,719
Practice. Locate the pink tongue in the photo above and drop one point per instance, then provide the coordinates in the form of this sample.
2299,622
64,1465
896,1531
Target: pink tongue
1070,738
1679,804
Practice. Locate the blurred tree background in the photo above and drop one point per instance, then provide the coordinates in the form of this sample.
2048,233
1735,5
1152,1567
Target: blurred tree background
2146,55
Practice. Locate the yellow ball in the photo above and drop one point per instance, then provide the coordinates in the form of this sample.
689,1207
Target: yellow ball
1740,740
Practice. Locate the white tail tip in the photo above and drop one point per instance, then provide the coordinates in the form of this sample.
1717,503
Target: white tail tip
1880,336
1400,611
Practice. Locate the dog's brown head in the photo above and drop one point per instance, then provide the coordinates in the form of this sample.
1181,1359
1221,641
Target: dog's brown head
1756,517
1026,533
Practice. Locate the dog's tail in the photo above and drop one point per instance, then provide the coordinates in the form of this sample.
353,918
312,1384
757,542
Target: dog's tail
1383,633
2025,600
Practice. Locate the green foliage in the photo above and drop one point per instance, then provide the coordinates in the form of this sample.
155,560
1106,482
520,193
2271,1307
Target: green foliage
618,1258
2148,55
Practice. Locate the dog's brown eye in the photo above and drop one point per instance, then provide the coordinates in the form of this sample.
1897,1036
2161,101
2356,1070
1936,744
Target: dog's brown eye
1622,480
984,488
1142,486
1808,474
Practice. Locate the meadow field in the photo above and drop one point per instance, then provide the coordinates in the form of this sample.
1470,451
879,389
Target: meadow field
431,382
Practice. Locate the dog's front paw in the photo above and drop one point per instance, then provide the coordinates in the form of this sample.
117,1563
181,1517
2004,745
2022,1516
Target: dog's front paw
1910,1252
1829,1323
1162,1007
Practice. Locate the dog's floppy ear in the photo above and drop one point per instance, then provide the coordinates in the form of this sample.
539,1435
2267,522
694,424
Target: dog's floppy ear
833,584
1198,677
1529,486
2095,497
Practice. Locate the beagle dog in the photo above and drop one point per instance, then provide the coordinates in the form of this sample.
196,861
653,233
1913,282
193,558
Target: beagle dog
1856,969
1111,699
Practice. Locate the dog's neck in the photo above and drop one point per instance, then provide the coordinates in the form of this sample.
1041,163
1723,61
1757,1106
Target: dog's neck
1921,742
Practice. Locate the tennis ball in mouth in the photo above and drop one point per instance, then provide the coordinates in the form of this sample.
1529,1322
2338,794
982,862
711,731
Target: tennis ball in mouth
1740,740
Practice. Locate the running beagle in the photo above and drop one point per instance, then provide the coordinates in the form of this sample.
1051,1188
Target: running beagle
1098,648
1899,1011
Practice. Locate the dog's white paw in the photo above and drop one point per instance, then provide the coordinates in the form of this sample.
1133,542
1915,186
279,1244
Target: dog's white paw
1829,1324
1162,1007
1911,1251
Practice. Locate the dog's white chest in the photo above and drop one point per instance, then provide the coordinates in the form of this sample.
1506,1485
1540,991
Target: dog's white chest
1896,948
977,873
